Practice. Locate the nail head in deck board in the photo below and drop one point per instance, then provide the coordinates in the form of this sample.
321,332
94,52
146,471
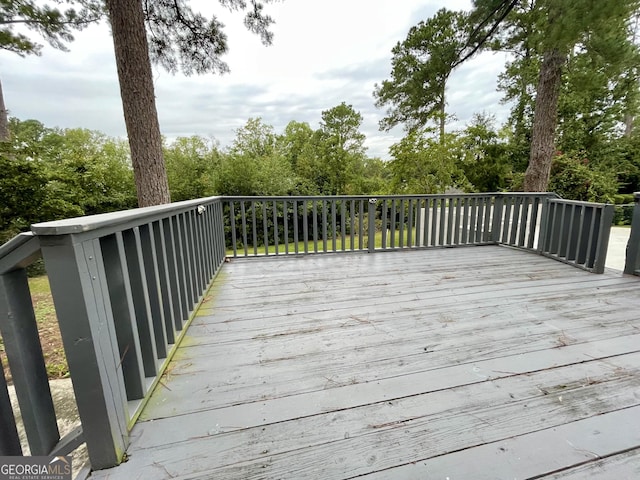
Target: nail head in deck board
295,447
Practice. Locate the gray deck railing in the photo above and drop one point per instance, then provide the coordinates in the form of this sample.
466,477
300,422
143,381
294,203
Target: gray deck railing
294,225
577,233
573,232
125,286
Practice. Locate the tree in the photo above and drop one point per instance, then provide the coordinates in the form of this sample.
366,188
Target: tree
54,25
167,32
423,165
254,164
421,66
341,147
486,163
179,39
192,163
48,173
553,30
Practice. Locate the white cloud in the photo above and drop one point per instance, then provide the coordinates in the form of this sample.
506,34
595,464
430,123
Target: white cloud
324,52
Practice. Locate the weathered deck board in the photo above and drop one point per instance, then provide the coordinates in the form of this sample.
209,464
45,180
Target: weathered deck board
400,365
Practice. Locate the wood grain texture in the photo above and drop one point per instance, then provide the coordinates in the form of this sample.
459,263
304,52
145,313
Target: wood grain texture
481,362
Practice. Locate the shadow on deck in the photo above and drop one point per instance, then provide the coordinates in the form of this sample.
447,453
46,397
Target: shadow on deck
453,363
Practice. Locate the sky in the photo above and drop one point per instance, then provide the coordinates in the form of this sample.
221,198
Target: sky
324,52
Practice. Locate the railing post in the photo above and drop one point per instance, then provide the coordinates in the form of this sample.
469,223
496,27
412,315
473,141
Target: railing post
632,263
80,294
371,241
22,344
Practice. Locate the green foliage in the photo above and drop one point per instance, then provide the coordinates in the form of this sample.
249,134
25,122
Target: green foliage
421,66
486,160
182,39
47,174
191,168
49,22
423,165
341,147
255,165
574,179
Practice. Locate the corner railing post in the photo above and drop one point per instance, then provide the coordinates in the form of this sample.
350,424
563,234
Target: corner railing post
79,289
371,241
632,263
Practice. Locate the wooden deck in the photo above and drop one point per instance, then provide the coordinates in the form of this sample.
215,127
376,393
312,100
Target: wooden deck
466,363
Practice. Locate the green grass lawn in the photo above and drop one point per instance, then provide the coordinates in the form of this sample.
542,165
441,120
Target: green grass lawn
339,245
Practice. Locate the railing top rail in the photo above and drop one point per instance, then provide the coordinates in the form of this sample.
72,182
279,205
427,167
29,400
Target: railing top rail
20,251
383,197
579,202
95,222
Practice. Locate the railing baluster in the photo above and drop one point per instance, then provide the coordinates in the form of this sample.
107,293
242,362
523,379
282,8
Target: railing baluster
181,231
343,224
232,227
479,219
254,224
295,226
305,226
285,215
9,439
22,345
450,207
275,228
361,218
352,219
245,240
442,226
507,226
401,229
393,223
315,225
154,296
165,282
124,318
533,226
524,222
425,227
456,236
486,229
140,294
324,226
178,279
265,227
465,222
384,220
334,224
418,233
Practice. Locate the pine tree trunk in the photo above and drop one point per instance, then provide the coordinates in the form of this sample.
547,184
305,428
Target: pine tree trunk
4,119
628,124
545,119
138,101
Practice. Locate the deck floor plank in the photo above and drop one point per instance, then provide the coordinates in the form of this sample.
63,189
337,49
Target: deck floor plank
336,366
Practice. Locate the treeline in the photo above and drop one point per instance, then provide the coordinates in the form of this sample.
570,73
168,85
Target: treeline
50,173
